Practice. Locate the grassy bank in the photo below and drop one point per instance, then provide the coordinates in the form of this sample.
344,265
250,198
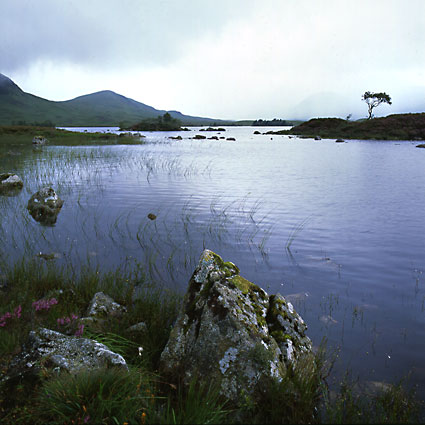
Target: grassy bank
392,127
141,395
23,135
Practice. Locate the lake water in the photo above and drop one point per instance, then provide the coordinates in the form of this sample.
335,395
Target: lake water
337,227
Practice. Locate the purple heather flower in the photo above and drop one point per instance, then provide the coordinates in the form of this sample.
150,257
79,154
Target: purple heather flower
80,330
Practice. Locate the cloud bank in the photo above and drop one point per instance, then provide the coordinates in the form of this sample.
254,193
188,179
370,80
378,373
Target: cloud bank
225,59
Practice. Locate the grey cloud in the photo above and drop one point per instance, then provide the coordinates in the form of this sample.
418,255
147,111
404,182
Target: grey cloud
107,32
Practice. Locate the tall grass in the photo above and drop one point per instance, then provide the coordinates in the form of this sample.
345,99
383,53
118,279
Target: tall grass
141,395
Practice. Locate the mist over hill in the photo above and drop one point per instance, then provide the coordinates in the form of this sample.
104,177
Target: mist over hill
104,108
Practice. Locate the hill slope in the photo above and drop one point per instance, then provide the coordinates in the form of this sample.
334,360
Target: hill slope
104,108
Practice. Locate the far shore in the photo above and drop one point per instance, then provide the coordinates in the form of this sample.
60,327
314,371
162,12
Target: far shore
391,127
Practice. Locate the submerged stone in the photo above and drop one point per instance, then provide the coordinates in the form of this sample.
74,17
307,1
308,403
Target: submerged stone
44,206
230,331
10,182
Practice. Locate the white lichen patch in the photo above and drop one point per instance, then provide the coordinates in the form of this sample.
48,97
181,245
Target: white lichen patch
228,358
290,307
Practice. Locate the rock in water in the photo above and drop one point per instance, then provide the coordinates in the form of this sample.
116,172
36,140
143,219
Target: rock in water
39,140
230,331
10,182
44,206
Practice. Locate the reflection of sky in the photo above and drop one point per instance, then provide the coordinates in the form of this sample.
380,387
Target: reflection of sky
354,211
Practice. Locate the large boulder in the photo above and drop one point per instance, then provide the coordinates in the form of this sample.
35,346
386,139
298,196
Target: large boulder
231,332
10,182
45,205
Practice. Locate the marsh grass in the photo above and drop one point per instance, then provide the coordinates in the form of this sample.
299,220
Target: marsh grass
141,395
100,397
295,232
22,135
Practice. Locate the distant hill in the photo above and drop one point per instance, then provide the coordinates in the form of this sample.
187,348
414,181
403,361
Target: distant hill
104,108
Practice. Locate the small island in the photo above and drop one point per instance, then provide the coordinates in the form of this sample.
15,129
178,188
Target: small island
161,123
392,127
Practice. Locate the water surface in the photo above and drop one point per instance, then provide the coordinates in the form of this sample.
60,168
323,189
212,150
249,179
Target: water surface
336,226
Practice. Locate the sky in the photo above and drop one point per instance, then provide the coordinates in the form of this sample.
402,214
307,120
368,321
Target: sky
229,59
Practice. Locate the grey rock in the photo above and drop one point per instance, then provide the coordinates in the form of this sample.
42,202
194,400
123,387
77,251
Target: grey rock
39,140
138,328
231,331
317,138
45,205
10,182
102,306
55,351
339,141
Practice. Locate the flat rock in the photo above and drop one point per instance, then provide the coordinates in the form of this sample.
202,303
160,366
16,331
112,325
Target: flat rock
55,351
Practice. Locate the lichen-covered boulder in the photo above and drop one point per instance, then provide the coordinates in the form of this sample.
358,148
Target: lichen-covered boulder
54,351
10,182
230,331
45,205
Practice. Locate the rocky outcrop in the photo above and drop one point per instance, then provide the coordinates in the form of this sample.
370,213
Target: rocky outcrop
45,205
230,331
10,182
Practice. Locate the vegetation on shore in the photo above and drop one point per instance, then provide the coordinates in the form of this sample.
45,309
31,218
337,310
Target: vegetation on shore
141,395
161,123
392,127
23,135
275,122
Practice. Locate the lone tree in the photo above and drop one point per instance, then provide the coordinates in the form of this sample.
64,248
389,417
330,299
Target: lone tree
375,99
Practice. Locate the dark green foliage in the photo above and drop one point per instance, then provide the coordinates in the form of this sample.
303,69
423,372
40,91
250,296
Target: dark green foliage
273,122
161,123
99,397
198,404
23,135
392,127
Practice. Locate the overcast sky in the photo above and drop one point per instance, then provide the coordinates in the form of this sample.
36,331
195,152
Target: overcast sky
231,59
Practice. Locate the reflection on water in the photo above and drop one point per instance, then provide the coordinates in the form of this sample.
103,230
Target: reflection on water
337,227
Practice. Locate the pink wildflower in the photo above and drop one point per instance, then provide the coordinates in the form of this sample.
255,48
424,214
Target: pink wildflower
18,311
80,330
44,304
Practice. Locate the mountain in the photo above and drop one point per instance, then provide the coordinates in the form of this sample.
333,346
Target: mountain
104,108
